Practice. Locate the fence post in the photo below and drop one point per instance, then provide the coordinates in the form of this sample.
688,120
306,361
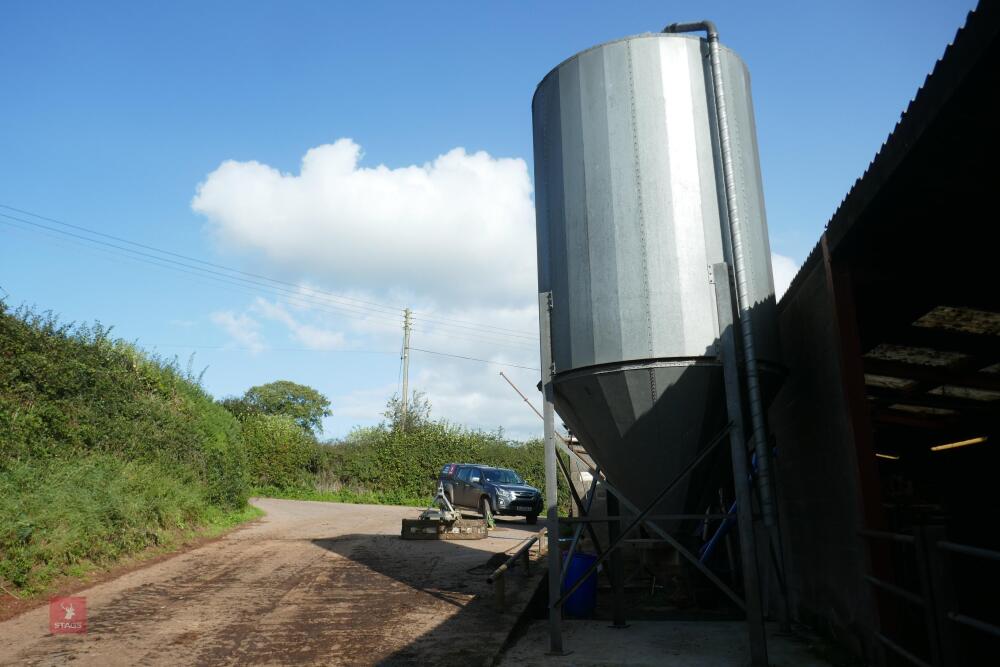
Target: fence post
923,544
942,591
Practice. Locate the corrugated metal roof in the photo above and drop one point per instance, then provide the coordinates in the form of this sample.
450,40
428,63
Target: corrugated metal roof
910,258
971,42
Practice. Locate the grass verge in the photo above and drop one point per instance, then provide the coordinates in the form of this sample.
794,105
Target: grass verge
343,496
69,518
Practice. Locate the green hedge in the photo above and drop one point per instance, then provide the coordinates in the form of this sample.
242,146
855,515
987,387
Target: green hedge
58,514
103,449
67,391
386,463
280,454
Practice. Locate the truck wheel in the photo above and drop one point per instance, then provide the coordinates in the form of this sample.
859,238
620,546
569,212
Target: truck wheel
532,519
484,509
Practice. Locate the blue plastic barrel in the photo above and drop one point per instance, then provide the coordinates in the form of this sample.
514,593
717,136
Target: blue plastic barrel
582,602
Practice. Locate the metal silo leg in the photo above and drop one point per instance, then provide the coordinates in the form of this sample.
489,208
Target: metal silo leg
617,569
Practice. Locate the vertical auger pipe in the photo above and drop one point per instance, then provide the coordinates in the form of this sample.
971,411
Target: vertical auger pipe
765,481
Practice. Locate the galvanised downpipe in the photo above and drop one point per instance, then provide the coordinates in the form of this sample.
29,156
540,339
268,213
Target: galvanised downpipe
742,288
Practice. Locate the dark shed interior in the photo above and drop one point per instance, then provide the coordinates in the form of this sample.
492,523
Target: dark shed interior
888,420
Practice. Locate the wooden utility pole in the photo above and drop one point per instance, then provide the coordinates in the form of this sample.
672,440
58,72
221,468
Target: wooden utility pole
407,324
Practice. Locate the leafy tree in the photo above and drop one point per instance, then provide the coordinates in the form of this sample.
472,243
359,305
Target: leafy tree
418,412
237,407
303,404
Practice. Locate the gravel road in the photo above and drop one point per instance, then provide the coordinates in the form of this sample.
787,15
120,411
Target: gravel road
311,583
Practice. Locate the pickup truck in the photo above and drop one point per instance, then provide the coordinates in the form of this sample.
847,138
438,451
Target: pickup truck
490,491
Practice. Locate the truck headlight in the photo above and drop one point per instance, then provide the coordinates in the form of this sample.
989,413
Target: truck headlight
504,493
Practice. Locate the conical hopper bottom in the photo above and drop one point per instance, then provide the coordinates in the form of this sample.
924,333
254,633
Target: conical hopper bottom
644,423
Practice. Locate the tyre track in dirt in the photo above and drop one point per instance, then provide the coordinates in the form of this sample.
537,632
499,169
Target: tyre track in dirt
312,583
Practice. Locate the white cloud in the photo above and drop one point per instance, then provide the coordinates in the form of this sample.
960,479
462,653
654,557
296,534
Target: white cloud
478,395
452,238
243,329
784,269
464,391
460,227
313,337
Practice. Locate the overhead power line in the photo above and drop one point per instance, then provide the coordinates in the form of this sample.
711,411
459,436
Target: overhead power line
240,284
189,258
292,298
264,349
253,287
296,296
485,361
491,362
345,300
291,292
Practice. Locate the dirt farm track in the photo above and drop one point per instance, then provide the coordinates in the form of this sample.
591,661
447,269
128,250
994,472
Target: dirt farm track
311,583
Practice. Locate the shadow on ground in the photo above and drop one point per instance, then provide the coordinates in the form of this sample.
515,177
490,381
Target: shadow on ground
436,584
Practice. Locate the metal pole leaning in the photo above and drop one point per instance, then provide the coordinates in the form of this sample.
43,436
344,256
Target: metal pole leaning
523,397
741,472
551,479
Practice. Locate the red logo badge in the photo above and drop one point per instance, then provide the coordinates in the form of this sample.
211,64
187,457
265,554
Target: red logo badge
67,615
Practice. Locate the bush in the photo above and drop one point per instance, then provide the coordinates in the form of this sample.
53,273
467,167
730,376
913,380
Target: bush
59,514
280,454
226,474
69,391
103,448
384,462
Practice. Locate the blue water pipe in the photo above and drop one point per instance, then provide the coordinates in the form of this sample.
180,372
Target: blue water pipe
707,549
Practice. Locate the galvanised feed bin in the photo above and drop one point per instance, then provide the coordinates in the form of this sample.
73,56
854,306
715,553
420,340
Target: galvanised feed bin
631,214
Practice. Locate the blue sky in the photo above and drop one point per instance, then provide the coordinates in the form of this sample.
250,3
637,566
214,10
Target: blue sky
114,113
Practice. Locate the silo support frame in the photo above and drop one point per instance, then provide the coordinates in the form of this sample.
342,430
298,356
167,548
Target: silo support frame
615,572
580,504
645,515
752,604
617,565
